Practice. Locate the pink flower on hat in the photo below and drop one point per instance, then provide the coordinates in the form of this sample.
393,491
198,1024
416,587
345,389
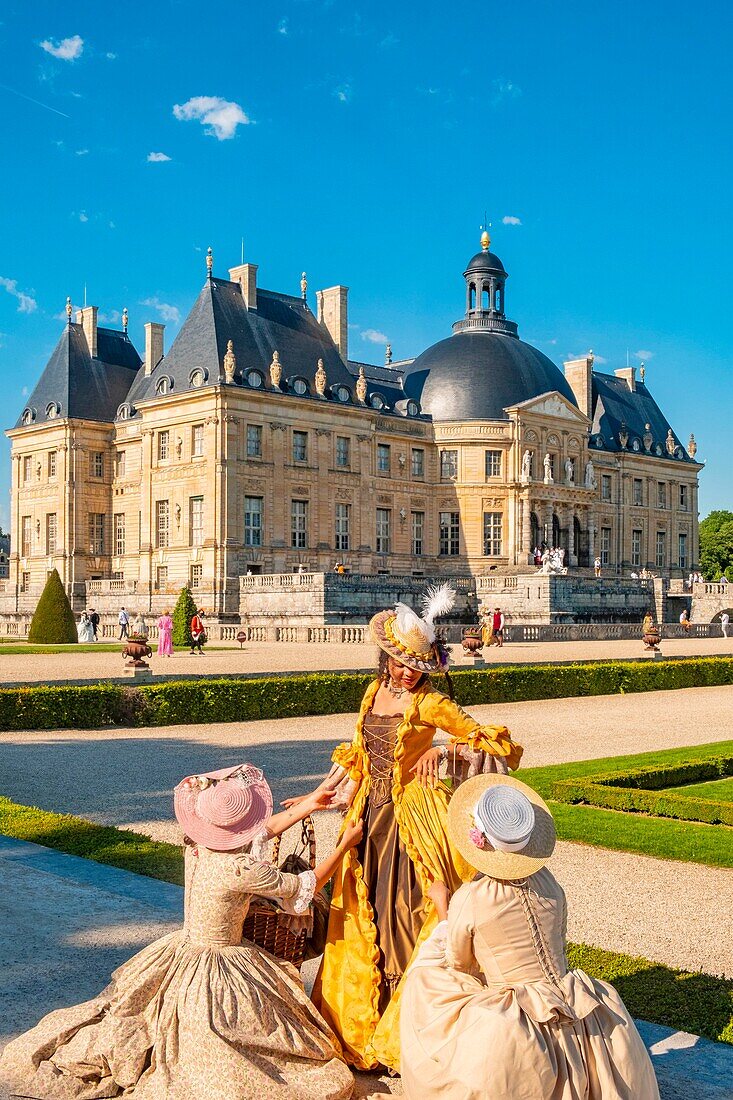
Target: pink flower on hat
476,837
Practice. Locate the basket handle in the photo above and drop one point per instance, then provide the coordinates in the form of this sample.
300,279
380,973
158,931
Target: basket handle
307,840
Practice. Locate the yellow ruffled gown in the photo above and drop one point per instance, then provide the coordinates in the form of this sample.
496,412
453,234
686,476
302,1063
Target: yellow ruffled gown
351,991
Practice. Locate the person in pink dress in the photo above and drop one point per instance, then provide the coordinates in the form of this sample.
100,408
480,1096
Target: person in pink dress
165,635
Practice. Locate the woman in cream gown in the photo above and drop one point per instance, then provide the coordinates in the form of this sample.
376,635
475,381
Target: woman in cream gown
490,1009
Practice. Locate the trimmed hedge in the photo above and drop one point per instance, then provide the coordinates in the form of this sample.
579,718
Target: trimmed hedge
53,620
640,791
269,697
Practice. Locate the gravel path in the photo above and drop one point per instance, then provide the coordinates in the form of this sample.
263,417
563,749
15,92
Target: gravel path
665,911
286,657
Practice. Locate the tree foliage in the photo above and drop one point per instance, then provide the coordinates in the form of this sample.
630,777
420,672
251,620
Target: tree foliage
716,545
183,612
53,620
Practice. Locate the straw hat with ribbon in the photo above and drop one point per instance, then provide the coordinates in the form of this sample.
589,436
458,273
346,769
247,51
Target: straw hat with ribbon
410,639
224,809
501,826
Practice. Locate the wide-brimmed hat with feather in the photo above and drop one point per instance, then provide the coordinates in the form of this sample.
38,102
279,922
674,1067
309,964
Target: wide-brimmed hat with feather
411,639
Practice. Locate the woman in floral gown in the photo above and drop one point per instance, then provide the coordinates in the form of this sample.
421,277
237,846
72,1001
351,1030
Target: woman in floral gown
201,1014
165,635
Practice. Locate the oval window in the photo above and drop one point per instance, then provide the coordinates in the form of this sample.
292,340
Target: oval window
27,417
197,377
342,394
377,401
413,409
300,386
254,379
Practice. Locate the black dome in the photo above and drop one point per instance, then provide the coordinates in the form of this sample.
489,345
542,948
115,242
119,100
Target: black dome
484,262
476,375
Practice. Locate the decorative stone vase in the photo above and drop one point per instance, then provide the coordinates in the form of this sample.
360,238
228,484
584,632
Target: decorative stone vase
472,640
136,648
652,637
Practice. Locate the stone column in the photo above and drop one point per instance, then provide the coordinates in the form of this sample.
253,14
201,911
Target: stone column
591,536
526,529
572,549
278,525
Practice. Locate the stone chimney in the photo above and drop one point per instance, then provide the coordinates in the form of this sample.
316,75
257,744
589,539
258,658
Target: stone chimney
153,346
87,318
579,373
333,313
246,276
629,376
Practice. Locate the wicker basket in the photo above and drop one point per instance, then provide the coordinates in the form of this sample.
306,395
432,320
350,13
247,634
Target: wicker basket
269,926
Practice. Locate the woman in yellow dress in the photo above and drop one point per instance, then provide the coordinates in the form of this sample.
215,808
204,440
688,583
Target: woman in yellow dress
388,775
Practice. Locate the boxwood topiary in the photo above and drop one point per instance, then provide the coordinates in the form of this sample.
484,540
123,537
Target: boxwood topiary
53,620
183,612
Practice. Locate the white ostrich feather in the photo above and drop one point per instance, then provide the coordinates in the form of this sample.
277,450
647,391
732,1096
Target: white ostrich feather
438,600
411,629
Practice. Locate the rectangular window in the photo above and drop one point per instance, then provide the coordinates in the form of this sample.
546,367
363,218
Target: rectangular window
493,463
343,518
605,545
636,547
638,491
50,533
197,441
343,456
96,533
661,494
197,572
52,465
384,529
418,531
682,551
162,522
25,582
196,521
164,439
448,465
684,497
161,578
605,486
553,467
27,469
492,534
449,541
384,458
254,441
253,509
97,463
661,549
26,537
300,446
299,524
417,465
119,533
120,464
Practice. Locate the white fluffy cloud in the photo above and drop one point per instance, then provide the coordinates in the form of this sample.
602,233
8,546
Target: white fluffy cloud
374,336
83,216
81,152
219,116
282,27
343,93
510,219
645,356
68,49
158,158
167,312
26,304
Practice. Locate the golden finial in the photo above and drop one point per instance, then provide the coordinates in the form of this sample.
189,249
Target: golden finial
209,262
692,446
303,286
388,355
485,240
69,310
230,362
124,320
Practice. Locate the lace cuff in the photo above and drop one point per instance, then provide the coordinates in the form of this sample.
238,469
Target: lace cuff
259,848
299,903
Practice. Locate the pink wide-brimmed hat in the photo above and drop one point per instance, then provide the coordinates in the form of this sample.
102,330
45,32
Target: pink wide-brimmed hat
224,809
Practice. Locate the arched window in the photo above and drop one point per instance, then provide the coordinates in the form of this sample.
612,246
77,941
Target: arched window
497,300
555,530
534,530
472,296
485,303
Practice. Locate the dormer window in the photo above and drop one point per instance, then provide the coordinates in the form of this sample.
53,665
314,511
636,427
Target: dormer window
377,401
413,409
197,377
29,415
124,412
53,410
164,385
300,386
255,379
342,393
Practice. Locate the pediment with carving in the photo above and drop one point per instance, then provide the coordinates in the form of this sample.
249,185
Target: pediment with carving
552,404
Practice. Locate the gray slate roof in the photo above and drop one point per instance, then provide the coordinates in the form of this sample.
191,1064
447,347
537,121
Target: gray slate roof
279,323
614,403
85,388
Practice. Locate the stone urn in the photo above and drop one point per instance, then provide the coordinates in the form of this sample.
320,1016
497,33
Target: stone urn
651,636
472,640
136,648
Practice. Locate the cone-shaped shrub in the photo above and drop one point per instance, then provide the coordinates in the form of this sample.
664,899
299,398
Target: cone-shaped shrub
53,621
183,612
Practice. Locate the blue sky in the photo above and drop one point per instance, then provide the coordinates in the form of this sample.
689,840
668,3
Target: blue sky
362,143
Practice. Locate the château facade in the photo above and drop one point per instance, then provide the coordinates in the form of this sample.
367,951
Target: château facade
256,445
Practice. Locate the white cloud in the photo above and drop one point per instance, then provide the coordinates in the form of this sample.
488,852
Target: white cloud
83,217
26,304
510,219
645,356
68,49
158,158
111,56
166,311
81,152
343,93
112,317
599,358
374,336
282,27
219,116
504,90
388,41
24,392
112,225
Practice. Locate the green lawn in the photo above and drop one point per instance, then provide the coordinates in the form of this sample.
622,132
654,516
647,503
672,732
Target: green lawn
695,1002
715,789
664,838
